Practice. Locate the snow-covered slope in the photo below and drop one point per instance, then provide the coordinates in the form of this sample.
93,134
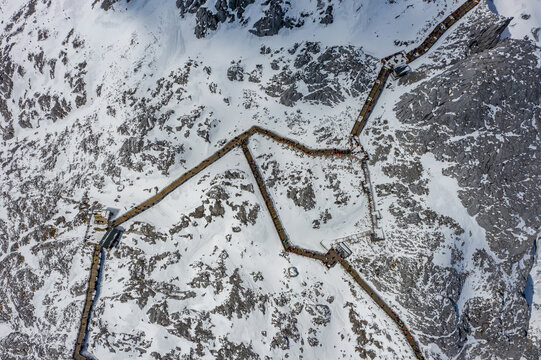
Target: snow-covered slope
526,14
102,103
202,275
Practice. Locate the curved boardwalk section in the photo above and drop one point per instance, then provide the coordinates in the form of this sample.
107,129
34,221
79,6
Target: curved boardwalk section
237,141
329,259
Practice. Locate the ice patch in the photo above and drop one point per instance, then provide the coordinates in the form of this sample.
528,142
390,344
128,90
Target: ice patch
529,291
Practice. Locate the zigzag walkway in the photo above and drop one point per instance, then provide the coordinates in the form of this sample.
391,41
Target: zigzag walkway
419,51
332,256
328,259
236,141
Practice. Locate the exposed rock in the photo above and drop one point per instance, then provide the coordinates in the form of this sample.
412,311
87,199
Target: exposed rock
290,96
328,18
158,314
321,74
217,209
488,37
199,212
206,20
241,300
302,196
255,75
271,23
535,33
293,272
189,6
235,73
106,4
230,350
517,80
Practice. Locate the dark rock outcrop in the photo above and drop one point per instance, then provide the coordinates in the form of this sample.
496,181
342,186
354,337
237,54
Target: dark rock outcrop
478,116
271,23
235,73
488,37
330,74
290,96
328,16
208,19
189,6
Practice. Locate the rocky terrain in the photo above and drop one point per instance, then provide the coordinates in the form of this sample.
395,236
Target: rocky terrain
317,198
432,140
202,272
102,104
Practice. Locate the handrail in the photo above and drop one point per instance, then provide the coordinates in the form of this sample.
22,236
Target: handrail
332,256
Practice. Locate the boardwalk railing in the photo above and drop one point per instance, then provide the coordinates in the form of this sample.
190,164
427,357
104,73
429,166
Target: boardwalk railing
385,71
332,256
90,292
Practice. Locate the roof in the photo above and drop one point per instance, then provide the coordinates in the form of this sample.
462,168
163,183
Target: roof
109,238
402,69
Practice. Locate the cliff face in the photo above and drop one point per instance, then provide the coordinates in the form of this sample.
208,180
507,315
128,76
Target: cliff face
460,135
102,104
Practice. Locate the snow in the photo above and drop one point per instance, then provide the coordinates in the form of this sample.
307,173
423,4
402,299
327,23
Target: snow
372,24
5,329
349,218
255,249
520,27
533,293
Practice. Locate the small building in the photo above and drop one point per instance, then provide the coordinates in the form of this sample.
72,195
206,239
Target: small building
343,249
97,225
378,234
401,70
110,237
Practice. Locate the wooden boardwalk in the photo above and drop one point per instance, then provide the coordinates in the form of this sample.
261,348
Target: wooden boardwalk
235,142
419,51
330,258
90,293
